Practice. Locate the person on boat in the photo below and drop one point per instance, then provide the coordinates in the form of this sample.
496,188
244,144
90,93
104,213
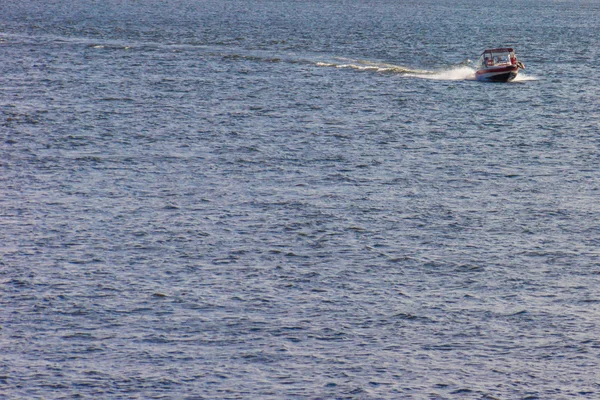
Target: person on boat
488,61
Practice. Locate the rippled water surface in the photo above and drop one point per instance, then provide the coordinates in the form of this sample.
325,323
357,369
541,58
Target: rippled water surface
298,199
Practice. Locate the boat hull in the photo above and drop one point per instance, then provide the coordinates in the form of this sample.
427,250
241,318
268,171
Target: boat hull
502,74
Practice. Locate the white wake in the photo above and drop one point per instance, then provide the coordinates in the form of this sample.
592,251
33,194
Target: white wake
454,73
460,73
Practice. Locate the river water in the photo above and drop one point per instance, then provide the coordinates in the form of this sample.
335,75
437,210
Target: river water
298,199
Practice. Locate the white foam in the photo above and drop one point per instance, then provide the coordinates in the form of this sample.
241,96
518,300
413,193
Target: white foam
462,73
323,64
362,65
525,78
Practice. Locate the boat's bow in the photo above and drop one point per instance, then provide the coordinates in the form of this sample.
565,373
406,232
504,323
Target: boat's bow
498,65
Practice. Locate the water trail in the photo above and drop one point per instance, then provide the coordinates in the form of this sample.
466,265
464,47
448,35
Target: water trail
460,73
364,65
453,73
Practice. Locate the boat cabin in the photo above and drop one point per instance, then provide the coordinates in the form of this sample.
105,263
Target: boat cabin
497,58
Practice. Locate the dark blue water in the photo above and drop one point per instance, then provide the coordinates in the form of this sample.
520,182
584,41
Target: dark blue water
298,199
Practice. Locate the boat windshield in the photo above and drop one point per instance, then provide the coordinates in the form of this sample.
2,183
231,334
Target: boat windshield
492,58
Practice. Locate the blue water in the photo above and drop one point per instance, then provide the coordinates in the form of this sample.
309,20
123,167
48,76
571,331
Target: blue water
298,199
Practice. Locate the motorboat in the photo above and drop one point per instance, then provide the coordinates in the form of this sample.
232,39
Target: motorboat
498,65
